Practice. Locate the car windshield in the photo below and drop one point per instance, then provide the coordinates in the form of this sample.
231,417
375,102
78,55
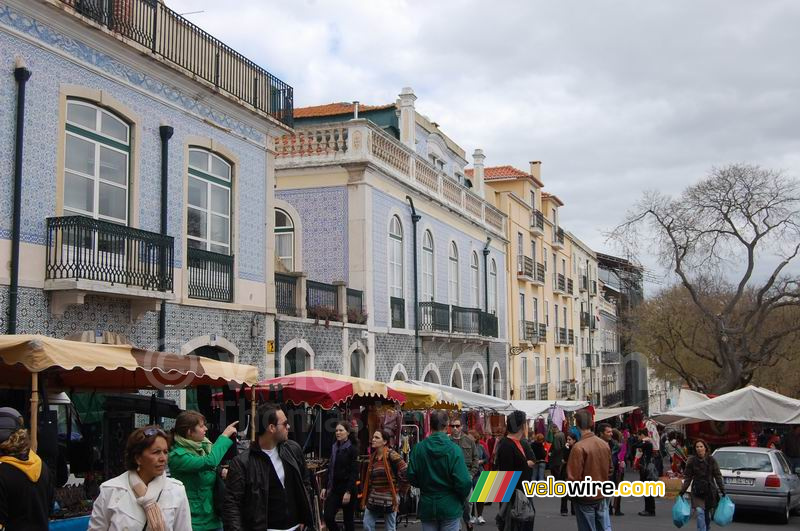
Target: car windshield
744,461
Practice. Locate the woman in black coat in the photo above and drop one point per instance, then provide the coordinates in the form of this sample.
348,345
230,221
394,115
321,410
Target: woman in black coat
703,474
563,472
340,491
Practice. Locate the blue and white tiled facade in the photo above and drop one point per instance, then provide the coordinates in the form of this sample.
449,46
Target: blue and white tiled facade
63,59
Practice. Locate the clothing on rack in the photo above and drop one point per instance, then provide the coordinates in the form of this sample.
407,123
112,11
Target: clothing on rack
556,414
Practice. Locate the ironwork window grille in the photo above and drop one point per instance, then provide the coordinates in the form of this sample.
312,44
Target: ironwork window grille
395,258
284,239
428,290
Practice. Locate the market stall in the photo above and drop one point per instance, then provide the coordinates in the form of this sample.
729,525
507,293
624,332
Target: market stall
601,414
420,396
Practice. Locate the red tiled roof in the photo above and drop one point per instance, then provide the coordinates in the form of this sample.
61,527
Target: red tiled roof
335,109
504,172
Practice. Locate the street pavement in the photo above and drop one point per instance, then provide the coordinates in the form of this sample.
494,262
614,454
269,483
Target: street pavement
548,517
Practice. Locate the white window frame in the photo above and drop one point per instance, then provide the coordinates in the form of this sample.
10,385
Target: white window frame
211,181
428,264
281,232
452,275
492,287
476,281
395,244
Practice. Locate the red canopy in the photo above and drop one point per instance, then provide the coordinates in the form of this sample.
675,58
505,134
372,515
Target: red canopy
326,389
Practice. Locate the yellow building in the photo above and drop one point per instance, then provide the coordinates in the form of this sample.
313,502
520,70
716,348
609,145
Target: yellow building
541,287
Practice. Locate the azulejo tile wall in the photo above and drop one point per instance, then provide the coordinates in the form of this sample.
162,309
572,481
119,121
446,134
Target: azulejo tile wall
154,103
325,342
184,323
324,216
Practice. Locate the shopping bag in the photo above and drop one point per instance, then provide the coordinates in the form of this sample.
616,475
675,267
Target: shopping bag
681,512
723,515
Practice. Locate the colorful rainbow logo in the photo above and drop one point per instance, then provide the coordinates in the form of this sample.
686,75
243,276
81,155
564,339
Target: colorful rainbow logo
495,486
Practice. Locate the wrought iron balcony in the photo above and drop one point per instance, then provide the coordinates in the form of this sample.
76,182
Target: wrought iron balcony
570,337
81,248
542,332
434,317
210,275
585,319
564,388
286,294
562,336
543,392
489,326
529,331
540,272
355,306
610,357
527,392
525,267
570,288
587,361
613,398
322,301
537,222
465,320
561,283
167,35
398,310
558,237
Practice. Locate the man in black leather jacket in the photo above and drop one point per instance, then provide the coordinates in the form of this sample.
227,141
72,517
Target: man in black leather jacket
268,486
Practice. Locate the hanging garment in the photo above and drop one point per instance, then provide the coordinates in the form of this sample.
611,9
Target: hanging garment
557,415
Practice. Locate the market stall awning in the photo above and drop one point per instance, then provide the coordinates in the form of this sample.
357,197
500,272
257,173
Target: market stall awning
606,413
326,389
77,365
534,408
421,396
753,404
468,399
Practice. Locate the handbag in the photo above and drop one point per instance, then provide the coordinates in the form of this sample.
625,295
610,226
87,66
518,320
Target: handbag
522,509
651,472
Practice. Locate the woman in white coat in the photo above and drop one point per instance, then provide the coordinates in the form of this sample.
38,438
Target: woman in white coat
143,498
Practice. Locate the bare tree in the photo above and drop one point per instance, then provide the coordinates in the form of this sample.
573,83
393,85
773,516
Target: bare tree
729,240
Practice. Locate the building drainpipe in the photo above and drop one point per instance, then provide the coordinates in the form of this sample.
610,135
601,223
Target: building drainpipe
21,75
486,303
166,133
414,220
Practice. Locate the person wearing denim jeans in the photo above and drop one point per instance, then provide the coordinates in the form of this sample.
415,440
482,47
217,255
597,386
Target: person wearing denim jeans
590,457
442,525
371,518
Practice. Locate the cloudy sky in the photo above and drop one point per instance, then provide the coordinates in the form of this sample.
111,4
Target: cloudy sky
614,97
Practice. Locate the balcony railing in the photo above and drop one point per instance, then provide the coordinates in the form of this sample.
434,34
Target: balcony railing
82,248
434,316
286,294
562,336
355,306
543,393
540,272
613,398
570,288
585,319
165,33
610,357
488,325
564,388
529,331
210,275
527,392
542,332
358,141
398,310
561,283
587,361
525,267
571,336
583,284
558,236
322,301
537,221
466,320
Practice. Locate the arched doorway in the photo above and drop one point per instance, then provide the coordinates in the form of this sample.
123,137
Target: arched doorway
358,364
477,381
296,360
431,377
202,397
456,380
497,384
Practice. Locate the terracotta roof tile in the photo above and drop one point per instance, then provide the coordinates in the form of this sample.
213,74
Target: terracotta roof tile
500,172
335,109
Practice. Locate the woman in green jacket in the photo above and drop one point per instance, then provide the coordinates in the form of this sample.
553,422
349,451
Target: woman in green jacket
194,461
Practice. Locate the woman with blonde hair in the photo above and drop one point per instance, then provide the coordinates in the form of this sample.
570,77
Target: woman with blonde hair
143,497
26,489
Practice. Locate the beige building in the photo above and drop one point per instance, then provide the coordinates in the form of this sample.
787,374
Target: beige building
541,285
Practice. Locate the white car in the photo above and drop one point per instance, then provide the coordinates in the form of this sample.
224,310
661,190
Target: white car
760,478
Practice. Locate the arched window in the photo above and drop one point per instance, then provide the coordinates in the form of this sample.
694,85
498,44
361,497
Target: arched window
457,380
209,207
493,287
477,381
453,274
431,377
96,163
476,283
296,360
497,383
358,364
427,267
396,258
284,239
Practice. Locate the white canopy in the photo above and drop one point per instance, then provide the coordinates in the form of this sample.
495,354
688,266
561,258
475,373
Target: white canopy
607,413
752,403
468,399
533,408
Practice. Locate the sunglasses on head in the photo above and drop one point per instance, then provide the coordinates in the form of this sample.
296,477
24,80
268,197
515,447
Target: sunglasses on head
150,432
